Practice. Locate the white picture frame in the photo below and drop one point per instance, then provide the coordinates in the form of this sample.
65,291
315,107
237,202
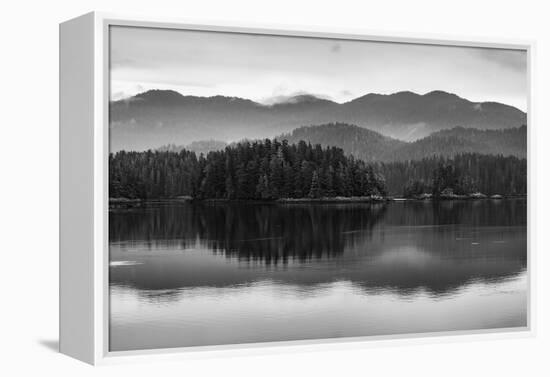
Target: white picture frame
84,101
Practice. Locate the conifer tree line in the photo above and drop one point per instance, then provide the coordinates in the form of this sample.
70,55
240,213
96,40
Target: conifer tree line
272,169
259,170
463,174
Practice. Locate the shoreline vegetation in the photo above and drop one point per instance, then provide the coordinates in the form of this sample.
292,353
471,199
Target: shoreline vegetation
126,202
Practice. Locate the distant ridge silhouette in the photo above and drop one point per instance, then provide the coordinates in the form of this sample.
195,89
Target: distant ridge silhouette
159,117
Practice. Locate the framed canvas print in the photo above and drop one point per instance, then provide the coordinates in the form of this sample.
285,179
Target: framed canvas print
225,186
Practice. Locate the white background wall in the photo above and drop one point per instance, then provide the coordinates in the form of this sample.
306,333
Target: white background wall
29,189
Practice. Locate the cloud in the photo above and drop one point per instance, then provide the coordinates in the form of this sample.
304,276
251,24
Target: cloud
291,98
125,92
261,67
512,59
118,62
122,62
118,95
346,93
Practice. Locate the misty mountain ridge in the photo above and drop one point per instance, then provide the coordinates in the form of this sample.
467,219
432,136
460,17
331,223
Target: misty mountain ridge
360,142
371,146
162,117
295,99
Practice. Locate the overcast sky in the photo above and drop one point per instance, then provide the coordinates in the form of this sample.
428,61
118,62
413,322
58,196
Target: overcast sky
265,68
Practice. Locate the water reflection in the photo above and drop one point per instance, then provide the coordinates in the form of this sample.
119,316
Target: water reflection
402,246
196,274
269,232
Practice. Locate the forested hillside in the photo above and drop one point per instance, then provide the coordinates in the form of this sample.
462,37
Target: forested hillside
372,146
464,174
458,140
270,170
360,142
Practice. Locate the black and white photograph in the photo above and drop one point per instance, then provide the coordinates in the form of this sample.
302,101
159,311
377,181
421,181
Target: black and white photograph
271,188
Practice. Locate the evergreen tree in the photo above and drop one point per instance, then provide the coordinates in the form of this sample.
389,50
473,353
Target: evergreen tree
262,189
315,189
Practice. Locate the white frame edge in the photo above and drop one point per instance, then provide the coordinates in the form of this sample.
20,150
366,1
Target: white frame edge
84,291
76,213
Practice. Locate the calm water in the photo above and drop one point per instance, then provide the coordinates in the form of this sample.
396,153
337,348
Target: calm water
204,274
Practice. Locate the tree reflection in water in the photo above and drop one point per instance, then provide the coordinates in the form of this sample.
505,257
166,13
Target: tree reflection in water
439,246
270,233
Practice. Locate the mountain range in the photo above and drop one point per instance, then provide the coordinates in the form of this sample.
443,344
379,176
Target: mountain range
161,117
371,146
